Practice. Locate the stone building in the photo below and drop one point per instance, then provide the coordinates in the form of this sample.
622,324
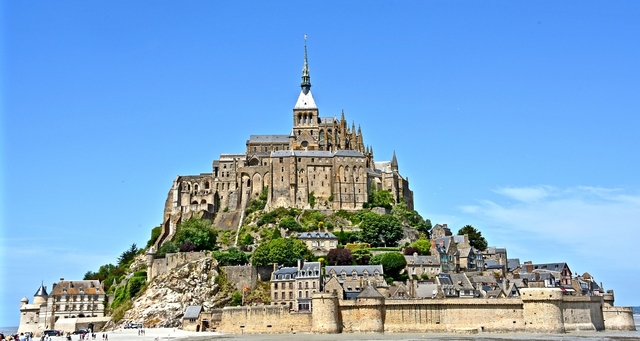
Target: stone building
320,243
294,286
322,158
69,306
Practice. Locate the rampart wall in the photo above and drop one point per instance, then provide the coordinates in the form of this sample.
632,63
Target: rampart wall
171,261
539,310
618,318
264,320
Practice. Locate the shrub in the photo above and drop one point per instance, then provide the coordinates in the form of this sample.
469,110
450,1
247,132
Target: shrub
290,224
168,247
392,262
339,257
155,234
187,246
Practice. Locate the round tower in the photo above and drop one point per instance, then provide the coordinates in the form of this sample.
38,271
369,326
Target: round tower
370,304
326,313
542,310
24,301
150,256
41,295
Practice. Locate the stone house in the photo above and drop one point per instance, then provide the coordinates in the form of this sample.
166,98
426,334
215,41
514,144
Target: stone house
440,231
420,266
320,243
353,278
447,251
294,286
455,285
195,319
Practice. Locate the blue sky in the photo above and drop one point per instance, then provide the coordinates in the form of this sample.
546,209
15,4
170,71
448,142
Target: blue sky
519,118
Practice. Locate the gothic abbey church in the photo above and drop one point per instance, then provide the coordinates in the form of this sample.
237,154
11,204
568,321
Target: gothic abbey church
321,158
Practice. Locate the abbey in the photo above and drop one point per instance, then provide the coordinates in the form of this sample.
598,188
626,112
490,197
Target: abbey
322,163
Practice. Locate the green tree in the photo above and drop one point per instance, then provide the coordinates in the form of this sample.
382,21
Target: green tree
199,232
423,245
290,224
312,199
285,251
380,229
361,256
155,234
232,256
128,255
380,198
392,263
475,237
167,247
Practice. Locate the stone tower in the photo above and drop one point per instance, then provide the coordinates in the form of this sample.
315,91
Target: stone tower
542,310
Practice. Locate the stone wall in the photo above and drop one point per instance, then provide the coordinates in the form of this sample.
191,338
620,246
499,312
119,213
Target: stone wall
173,260
265,319
618,318
450,315
539,310
242,275
582,313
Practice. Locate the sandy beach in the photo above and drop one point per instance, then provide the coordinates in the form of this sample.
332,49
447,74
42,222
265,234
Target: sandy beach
160,334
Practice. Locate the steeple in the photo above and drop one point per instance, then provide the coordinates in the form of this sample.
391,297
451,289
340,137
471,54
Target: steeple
394,162
306,79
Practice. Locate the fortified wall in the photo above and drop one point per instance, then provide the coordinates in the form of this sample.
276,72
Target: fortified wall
539,310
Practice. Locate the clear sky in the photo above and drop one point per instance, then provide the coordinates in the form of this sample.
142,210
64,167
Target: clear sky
520,118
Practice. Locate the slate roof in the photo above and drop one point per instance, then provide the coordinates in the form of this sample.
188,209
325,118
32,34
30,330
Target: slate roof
349,153
483,279
370,292
88,287
492,264
513,263
301,153
316,235
192,312
258,139
458,239
422,260
285,270
350,268
426,289
42,291
549,266
305,101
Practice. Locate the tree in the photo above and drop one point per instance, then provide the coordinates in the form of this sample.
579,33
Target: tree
290,224
127,256
199,232
423,245
361,256
168,247
380,198
475,237
339,257
380,229
392,263
285,251
232,256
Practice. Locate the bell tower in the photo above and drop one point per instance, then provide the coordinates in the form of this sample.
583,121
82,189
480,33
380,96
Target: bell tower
305,113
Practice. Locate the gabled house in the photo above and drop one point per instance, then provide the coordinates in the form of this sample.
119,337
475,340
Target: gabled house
455,285
399,291
447,251
498,255
422,266
320,243
440,231
561,268
353,278
293,286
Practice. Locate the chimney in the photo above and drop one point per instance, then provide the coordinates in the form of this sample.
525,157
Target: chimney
299,264
275,267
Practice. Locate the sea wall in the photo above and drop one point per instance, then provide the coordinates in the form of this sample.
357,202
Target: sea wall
582,313
539,310
451,315
267,319
618,318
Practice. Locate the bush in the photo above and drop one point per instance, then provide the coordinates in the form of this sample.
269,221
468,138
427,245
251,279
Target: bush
339,257
231,257
409,251
187,246
155,234
168,247
392,263
236,299
290,224
199,232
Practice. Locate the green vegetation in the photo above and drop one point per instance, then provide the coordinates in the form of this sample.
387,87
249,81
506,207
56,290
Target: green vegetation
310,220
200,232
379,198
475,237
312,199
259,203
392,262
290,224
361,256
155,234
380,229
232,256
422,246
339,257
285,251
410,217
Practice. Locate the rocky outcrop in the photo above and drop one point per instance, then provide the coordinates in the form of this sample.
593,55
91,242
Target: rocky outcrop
168,295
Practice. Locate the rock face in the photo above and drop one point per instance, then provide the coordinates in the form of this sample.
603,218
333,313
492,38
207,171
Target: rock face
169,294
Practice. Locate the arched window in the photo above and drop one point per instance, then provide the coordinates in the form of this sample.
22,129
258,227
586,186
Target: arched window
206,185
195,187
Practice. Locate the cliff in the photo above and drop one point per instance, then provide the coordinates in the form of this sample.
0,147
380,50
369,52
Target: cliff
168,295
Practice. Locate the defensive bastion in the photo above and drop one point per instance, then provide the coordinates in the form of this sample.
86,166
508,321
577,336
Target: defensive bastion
540,310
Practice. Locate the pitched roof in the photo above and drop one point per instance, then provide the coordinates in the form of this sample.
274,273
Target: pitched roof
305,101
192,312
422,260
370,292
86,287
268,139
426,289
316,235
513,263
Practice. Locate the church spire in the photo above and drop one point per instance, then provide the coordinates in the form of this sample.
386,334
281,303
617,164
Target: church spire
306,79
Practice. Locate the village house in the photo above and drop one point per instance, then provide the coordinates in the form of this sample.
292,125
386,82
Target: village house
320,243
349,280
294,286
